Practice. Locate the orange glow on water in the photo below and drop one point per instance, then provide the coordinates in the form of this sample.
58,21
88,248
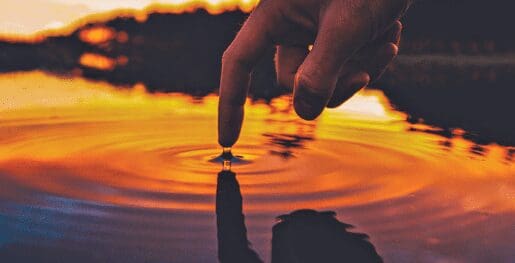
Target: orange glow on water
129,132
97,35
97,61
75,140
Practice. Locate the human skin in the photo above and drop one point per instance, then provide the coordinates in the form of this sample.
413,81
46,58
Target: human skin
353,42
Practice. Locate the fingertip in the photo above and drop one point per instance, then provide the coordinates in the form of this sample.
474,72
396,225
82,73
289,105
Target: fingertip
226,141
307,105
308,101
334,104
305,110
230,119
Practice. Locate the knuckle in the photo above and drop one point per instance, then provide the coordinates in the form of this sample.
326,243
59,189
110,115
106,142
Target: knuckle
369,17
226,56
231,57
367,13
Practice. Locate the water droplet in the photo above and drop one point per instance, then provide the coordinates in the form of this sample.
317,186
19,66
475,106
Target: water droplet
226,157
227,154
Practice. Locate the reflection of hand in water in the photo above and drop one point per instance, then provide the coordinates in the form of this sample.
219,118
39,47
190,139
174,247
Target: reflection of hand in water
233,245
302,236
311,236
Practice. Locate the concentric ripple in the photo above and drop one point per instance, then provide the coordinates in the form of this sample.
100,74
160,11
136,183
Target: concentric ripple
128,171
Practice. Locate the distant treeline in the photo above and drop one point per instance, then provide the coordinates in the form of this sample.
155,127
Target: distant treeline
454,70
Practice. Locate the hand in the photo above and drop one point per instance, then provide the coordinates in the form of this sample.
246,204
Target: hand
353,42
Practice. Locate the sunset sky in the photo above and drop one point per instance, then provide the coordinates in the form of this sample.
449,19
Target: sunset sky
30,16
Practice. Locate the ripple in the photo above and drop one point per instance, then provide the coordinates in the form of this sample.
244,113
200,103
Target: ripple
151,163
184,177
233,159
146,176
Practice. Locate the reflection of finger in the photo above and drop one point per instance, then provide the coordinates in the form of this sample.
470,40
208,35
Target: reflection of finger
237,64
287,62
340,35
347,86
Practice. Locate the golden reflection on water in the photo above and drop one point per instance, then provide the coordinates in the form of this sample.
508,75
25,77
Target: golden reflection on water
82,140
97,35
97,61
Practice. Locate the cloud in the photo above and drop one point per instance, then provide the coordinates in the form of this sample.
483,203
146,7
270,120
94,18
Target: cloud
31,16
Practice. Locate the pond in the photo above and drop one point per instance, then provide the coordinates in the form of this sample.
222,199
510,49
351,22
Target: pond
93,173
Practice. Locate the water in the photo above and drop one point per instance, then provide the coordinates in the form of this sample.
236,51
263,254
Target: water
91,173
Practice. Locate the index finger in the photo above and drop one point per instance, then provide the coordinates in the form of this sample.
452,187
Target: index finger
237,64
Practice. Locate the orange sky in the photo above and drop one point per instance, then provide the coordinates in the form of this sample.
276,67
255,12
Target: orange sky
16,18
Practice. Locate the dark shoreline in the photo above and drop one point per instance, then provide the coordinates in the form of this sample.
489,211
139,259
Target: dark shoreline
460,77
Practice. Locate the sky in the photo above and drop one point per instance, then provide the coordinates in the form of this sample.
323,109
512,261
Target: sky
26,17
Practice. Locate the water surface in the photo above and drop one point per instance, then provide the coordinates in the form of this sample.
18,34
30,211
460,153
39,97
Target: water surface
95,173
